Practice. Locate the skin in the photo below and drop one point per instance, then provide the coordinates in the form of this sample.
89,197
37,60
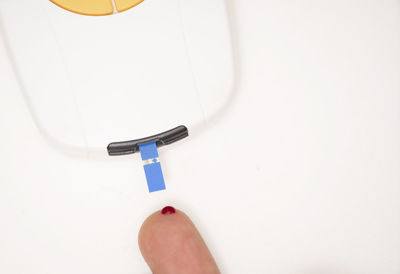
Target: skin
171,244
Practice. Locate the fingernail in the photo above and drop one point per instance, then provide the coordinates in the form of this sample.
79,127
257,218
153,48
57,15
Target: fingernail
168,210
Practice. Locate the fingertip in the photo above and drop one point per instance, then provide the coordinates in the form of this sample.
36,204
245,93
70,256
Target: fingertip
170,243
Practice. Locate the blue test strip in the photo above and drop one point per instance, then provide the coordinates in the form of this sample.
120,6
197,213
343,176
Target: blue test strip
152,167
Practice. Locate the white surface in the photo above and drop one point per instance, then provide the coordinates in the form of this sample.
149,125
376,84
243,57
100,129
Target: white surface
300,174
92,80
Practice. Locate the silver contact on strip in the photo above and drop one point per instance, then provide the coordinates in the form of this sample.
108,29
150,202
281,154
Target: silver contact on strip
151,161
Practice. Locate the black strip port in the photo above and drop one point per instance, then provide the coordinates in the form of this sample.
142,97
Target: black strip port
165,138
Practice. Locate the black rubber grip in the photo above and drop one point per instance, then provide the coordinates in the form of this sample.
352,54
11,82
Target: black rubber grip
165,138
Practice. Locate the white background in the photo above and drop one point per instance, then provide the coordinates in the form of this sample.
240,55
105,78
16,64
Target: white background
298,174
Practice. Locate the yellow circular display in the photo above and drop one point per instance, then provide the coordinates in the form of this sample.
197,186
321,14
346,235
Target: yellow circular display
96,7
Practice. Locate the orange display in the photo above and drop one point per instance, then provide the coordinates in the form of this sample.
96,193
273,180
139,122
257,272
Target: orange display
122,5
96,7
